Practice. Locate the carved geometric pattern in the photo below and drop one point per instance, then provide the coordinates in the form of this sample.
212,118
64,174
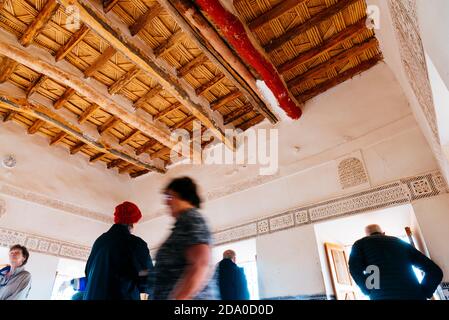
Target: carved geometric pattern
263,226
240,232
43,245
301,217
400,192
351,173
53,203
405,22
282,222
2,207
421,187
440,183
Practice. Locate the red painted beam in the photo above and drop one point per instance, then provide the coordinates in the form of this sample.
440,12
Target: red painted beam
235,34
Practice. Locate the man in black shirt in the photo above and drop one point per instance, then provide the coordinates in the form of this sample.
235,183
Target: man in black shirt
231,278
394,259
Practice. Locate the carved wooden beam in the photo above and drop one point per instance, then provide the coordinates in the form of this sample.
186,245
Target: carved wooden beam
148,96
7,69
77,147
251,122
76,38
145,19
58,138
42,62
108,125
324,67
309,24
90,110
124,80
225,100
9,116
36,126
274,13
171,108
138,173
348,33
100,61
192,64
184,122
115,163
146,146
109,4
129,137
64,98
209,85
45,115
119,38
342,77
43,17
237,113
126,168
209,41
169,44
97,156
35,85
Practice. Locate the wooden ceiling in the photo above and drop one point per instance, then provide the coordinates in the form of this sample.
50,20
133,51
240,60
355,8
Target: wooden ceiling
114,86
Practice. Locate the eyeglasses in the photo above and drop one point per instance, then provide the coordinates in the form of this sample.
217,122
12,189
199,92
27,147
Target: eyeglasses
168,196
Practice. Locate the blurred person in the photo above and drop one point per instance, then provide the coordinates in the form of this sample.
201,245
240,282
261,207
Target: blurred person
394,259
231,278
119,266
183,269
15,281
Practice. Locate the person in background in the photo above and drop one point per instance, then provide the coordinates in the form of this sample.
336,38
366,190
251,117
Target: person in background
394,259
183,269
119,266
231,278
15,281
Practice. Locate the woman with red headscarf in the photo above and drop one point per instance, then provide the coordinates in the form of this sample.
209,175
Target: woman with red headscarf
119,266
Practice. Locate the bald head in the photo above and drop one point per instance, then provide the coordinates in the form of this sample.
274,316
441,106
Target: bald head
229,254
372,229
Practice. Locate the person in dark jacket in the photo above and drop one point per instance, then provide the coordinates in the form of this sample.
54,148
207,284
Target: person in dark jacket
119,266
231,278
393,259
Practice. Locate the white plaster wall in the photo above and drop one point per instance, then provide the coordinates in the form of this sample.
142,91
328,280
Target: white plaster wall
394,154
433,24
53,171
43,272
289,264
432,216
32,218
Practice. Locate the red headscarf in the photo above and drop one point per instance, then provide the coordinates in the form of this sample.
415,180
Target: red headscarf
127,213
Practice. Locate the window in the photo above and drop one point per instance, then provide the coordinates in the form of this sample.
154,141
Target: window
66,271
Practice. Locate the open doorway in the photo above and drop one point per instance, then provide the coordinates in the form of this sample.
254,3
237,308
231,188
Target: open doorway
335,239
246,259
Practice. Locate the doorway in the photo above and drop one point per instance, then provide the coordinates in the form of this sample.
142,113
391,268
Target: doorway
335,239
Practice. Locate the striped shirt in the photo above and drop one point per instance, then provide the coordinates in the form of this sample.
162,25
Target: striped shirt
190,229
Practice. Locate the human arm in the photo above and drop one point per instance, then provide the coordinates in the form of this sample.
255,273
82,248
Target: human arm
432,272
357,267
198,258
